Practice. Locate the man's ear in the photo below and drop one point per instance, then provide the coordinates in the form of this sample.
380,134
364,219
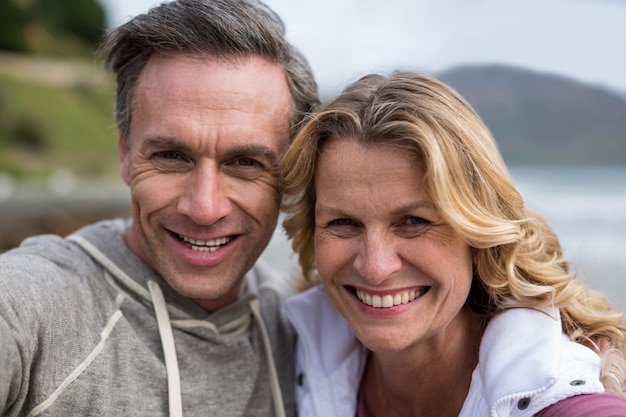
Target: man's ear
123,155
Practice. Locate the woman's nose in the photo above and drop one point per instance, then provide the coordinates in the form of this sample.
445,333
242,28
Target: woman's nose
378,257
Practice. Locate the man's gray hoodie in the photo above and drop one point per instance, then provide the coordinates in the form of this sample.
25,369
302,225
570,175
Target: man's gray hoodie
79,336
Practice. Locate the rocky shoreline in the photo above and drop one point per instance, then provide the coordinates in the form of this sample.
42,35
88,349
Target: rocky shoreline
36,213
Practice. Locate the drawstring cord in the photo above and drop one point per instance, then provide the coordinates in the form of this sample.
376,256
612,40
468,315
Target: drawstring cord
169,350
276,393
167,337
171,362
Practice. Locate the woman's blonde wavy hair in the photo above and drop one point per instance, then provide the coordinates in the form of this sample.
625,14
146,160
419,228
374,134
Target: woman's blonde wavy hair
519,261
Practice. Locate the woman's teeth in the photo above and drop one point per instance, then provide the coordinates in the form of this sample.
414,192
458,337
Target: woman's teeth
389,300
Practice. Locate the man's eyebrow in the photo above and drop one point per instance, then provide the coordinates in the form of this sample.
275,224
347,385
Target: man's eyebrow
165,142
252,150
238,151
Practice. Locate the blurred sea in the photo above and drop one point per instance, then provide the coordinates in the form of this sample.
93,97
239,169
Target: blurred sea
585,206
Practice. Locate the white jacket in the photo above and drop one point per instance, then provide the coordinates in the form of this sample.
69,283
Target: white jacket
525,363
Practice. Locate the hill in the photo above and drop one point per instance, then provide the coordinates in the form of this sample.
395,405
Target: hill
541,118
55,114
59,114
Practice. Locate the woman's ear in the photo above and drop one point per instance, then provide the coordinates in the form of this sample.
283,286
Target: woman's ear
474,256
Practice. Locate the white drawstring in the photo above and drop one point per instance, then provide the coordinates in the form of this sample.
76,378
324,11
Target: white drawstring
167,337
171,362
276,393
169,350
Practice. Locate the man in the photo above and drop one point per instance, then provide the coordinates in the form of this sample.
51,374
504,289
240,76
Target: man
170,312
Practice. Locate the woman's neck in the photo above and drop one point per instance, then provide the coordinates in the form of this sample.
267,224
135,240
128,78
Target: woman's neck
429,379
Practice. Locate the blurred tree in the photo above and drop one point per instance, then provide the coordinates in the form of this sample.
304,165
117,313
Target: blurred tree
84,19
12,27
51,27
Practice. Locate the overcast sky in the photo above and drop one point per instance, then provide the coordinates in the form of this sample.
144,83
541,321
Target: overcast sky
344,39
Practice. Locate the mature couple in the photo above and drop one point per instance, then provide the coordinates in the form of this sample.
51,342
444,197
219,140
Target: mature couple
435,290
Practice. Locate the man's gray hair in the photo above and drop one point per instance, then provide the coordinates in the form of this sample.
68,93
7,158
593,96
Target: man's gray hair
227,29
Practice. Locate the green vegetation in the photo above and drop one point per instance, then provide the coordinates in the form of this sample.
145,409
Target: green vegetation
59,114
46,127
62,28
56,106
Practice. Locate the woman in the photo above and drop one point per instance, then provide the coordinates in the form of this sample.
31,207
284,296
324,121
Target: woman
454,297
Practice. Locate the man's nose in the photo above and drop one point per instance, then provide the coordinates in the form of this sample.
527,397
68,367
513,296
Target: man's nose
206,198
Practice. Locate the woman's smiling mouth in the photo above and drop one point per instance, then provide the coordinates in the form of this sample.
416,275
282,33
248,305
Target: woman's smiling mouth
389,300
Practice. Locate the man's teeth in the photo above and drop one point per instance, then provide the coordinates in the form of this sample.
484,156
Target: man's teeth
206,245
389,300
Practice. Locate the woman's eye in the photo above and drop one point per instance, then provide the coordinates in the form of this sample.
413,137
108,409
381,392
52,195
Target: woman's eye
341,222
413,226
343,228
414,220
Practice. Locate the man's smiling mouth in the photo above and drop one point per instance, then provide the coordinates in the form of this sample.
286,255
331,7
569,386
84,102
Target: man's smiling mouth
211,245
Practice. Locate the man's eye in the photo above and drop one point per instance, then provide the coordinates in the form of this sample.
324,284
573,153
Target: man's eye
168,155
244,167
171,161
247,162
